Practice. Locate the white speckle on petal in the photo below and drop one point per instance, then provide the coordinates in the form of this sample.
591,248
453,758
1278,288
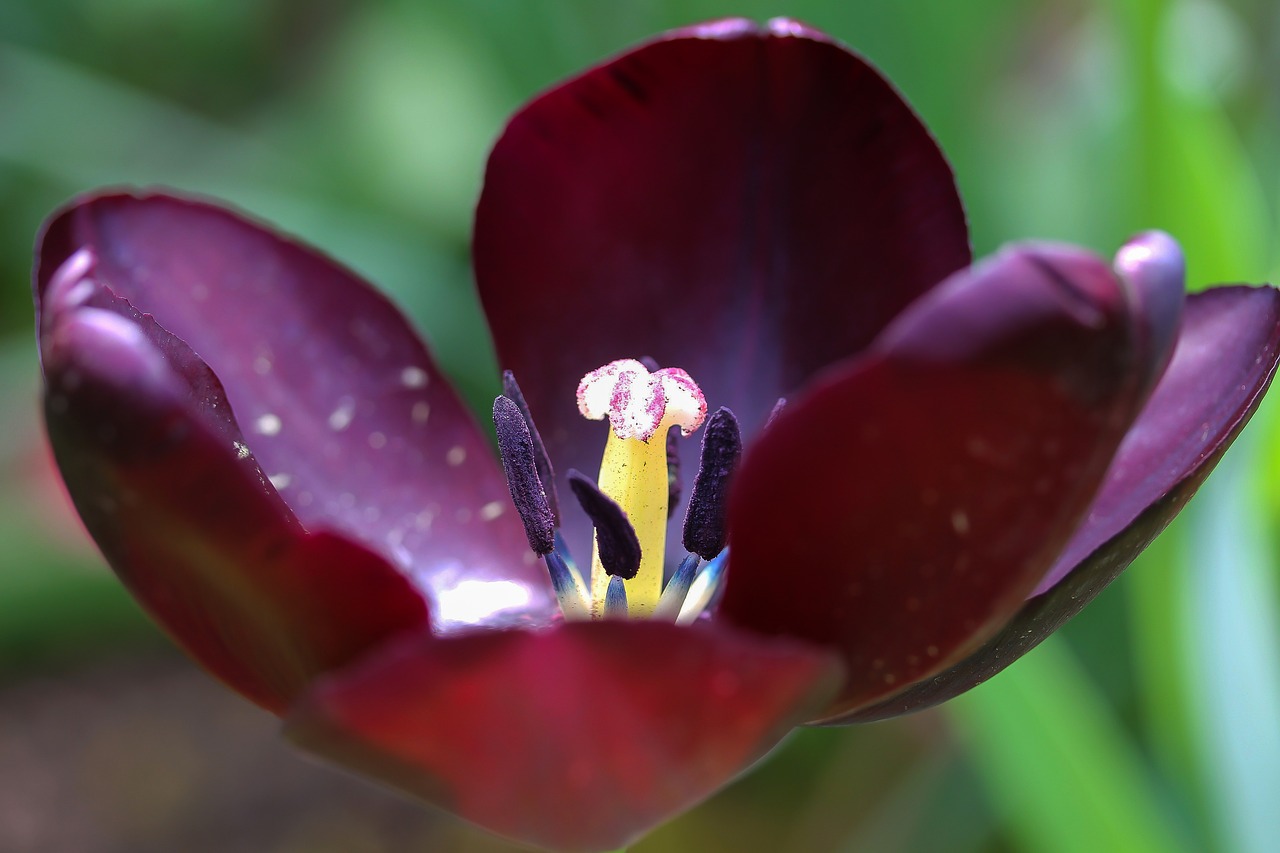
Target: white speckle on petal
280,481
267,424
341,417
242,451
456,455
423,520
414,377
421,411
492,510
262,365
377,440
960,522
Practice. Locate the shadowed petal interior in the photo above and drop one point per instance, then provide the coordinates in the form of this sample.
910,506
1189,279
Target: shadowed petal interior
749,203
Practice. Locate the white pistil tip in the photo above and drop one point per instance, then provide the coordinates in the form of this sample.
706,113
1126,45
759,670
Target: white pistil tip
639,403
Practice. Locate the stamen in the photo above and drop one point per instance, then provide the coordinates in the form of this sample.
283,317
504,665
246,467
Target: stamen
562,548
519,463
567,584
677,588
546,473
615,600
703,590
704,523
616,541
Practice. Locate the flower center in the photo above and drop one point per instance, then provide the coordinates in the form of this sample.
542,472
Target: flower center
629,506
641,408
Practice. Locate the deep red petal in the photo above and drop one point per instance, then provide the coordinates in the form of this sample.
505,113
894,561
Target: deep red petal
185,516
909,503
337,398
747,203
578,738
1225,359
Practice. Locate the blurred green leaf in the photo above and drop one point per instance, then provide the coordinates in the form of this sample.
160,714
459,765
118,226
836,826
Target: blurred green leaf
1156,587
1233,653
88,130
1188,172
1057,766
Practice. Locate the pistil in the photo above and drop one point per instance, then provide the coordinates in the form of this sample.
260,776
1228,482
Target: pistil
641,408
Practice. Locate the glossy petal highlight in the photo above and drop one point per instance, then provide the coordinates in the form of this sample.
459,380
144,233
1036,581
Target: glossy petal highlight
185,516
336,397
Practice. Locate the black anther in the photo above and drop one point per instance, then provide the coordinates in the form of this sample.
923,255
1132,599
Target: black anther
545,472
618,545
519,462
705,530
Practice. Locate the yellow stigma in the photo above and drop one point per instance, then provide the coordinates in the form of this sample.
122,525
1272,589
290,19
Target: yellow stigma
641,407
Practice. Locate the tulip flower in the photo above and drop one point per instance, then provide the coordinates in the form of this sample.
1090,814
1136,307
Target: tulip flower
911,468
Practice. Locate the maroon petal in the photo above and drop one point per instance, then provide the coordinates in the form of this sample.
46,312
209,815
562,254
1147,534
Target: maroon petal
338,400
578,738
1225,359
913,499
749,203
186,517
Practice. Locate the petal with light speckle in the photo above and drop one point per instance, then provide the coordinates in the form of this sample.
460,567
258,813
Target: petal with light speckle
582,737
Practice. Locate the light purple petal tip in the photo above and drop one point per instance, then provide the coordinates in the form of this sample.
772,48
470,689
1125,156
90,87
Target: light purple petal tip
1153,266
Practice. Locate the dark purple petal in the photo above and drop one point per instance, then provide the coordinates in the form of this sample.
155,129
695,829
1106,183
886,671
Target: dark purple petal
185,515
749,203
338,400
1225,358
578,738
911,500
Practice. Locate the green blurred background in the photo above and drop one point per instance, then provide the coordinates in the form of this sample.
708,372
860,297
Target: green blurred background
1151,723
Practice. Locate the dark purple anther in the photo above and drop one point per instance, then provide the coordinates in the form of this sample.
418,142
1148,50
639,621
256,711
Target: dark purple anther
705,532
546,473
616,538
519,462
